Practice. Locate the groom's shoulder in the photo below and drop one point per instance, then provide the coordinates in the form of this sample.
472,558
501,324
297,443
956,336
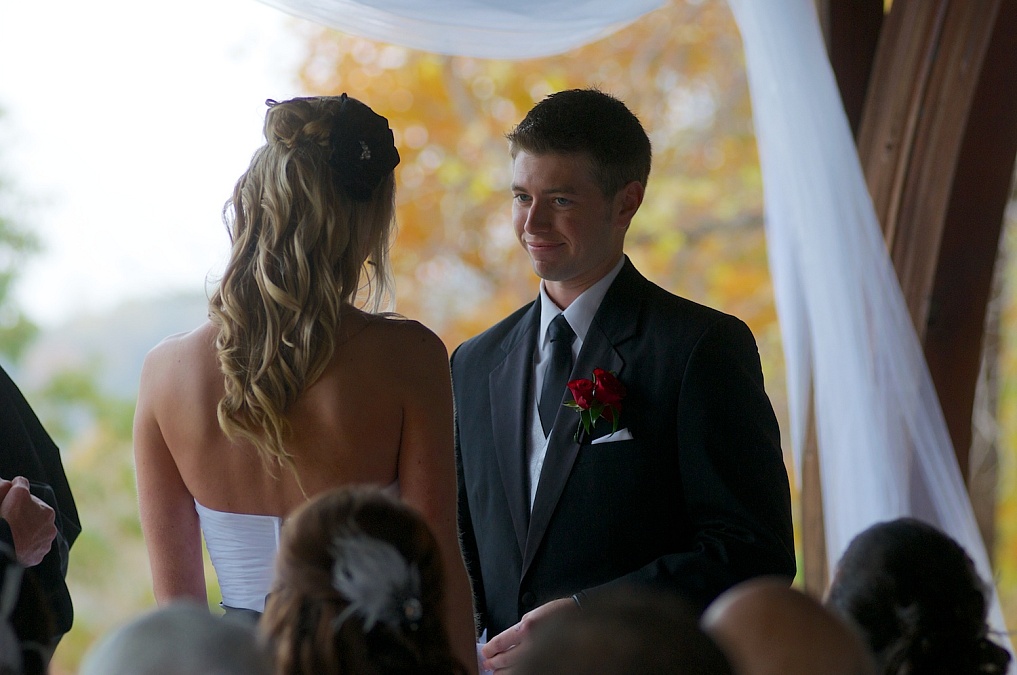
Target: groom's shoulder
658,300
665,311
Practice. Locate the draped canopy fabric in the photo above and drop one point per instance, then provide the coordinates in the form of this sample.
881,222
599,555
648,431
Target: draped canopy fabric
497,29
884,448
848,339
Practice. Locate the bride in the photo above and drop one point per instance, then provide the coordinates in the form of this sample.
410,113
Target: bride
289,389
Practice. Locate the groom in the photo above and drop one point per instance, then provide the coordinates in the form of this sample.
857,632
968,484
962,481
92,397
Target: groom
681,484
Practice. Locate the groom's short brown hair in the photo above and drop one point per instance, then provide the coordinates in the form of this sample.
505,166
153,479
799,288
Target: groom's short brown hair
592,123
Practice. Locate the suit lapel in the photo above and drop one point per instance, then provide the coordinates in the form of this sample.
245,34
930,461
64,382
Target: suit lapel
509,385
616,321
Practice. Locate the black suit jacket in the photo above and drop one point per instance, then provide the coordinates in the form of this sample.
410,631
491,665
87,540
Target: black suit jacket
696,501
27,450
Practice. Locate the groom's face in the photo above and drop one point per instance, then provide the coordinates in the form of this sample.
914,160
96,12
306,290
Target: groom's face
572,232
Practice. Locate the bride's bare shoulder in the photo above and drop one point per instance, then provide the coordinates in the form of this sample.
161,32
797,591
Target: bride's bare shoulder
200,338
395,328
182,351
401,342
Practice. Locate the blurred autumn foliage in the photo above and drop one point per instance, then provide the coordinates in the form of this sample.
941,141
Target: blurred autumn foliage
1000,423
458,265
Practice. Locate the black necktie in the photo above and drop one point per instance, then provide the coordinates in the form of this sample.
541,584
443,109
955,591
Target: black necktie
556,377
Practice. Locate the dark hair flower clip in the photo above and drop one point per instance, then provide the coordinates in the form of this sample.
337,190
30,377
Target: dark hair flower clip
363,149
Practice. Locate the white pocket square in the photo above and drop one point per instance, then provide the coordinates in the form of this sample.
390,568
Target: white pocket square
620,435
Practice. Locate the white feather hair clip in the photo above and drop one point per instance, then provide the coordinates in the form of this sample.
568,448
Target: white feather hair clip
377,581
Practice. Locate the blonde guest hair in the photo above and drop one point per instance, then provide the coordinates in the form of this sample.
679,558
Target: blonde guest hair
310,223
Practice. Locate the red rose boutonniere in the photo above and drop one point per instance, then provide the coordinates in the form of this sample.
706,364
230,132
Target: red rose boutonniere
600,397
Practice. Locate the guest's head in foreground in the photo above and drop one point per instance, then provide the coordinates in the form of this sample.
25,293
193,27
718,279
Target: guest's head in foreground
628,631
918,600
767,628
181,638
358,589
310,223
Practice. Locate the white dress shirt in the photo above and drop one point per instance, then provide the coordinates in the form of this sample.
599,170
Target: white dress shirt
579,315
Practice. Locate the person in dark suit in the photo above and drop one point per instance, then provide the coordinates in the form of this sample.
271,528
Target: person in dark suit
675,477
38,517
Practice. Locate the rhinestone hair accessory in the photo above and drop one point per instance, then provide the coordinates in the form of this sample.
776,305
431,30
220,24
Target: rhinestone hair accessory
363,151
380,585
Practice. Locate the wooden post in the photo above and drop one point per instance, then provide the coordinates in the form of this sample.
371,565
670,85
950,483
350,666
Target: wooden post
814,561
937,143
851,30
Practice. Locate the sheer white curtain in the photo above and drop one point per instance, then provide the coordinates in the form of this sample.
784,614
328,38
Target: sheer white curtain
884,447
497,29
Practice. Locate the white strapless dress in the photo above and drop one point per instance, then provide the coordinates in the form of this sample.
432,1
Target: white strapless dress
243,548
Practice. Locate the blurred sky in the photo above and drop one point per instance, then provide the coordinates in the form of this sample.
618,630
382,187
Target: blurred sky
127,124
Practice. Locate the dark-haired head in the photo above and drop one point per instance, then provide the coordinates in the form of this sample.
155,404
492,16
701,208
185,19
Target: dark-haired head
589,123
322,616
624,631
915,594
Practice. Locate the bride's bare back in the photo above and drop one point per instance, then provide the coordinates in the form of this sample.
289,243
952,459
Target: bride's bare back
345,428
381,411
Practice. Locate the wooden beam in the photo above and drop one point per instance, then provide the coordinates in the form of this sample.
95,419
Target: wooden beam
962,281
852,30
935,144
815,566
886,138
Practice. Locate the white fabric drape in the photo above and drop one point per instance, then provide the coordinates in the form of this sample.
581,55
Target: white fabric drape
885,451
884,447
497,29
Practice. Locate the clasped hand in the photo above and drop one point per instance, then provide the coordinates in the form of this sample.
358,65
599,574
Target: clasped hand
32,521
503,650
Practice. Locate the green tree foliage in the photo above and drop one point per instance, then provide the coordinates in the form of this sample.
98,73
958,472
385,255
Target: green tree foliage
108,572
16,245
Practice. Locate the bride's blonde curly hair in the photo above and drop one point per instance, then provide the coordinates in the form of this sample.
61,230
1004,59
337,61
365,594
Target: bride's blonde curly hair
305,242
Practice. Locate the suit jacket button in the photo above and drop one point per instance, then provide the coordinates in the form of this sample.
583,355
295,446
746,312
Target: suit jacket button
529,599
